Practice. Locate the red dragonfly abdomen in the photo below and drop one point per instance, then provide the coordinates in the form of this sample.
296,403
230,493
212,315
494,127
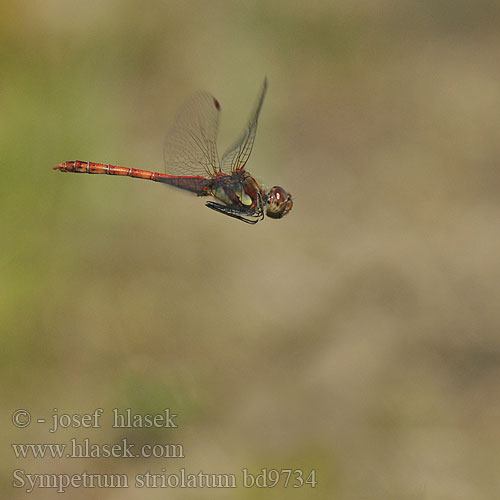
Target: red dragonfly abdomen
195,184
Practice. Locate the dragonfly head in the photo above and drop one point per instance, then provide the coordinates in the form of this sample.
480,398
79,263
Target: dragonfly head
279,203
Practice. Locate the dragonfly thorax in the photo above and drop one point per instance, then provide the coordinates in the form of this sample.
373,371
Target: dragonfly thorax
238,190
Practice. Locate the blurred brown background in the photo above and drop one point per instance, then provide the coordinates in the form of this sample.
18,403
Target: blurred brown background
358,336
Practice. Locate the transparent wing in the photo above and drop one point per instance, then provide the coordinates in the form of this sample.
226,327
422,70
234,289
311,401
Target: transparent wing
237,155
190,147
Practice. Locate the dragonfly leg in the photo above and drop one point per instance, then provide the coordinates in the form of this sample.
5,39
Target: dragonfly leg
236,214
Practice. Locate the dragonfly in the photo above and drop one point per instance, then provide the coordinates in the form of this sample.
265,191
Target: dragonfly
192,163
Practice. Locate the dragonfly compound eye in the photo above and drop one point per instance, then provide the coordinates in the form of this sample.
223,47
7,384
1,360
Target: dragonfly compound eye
279,203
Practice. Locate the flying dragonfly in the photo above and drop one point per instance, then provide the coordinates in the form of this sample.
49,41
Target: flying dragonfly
192,163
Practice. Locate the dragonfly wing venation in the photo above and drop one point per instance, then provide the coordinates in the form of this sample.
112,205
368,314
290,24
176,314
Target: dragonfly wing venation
190,147
236,157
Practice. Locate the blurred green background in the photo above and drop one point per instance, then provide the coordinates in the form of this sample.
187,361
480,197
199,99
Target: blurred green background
359,336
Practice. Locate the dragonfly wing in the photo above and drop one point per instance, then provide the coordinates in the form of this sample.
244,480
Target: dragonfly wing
236,157
190,147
